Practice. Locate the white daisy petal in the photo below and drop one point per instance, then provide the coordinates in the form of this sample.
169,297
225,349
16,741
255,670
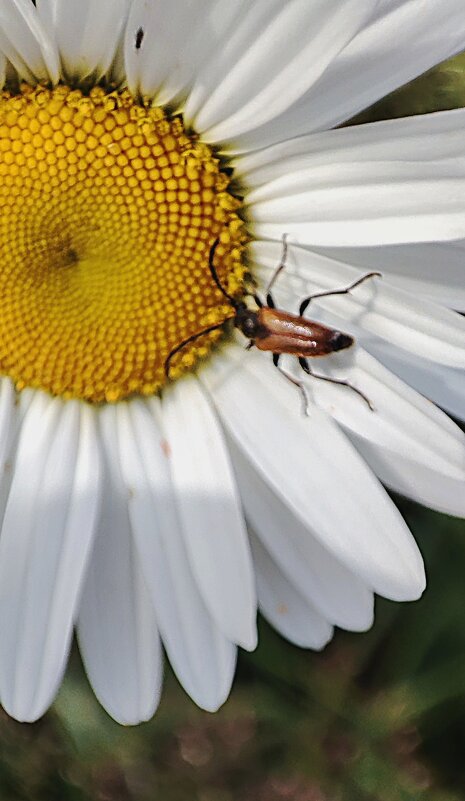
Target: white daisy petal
7,410
434,270
202,658
410,444
13,411
15,548
366,203
78,26
249,81
425,138
117,72
413,479
284,607
406,38
442,385
26,42
403,40
210,511
384,183
418,326
47,531
2,70
165,43
117,631
325,584
329,488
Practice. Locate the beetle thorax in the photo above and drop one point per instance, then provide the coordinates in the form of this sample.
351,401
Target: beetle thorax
247,321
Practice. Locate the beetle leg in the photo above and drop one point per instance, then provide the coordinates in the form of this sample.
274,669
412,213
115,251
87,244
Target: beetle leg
294,381
270,301
307,369
304,305
343,291
258,301
250,344
280,266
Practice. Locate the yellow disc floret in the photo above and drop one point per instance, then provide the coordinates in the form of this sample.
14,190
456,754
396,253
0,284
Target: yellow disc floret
108,212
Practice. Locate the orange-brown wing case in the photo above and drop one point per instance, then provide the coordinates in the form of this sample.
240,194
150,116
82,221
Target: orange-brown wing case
287,333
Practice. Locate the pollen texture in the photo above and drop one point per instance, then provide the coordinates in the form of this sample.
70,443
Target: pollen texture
109,211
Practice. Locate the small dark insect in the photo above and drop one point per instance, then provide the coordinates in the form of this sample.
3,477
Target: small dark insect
280,332
139,38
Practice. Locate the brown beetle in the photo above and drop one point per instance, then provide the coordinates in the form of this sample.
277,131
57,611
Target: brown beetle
280,332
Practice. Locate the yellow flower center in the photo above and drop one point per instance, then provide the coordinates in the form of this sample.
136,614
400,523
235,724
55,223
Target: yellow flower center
109,211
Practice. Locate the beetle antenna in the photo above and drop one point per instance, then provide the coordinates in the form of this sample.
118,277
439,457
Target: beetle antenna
212,267
188,340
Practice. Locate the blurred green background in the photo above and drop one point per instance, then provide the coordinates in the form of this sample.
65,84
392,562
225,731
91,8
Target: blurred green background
375,717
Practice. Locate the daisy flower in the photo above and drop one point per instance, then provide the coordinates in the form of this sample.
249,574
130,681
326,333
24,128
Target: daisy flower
133,136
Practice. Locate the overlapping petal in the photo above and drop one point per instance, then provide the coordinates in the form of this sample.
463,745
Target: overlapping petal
442,385
425,138
317,576
201,656
411,445
378,184
47,531
402,39
27,43
209,508
431,270
117,631
164,43
329,489
248,81
86,33
8,431
284,607
350,205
